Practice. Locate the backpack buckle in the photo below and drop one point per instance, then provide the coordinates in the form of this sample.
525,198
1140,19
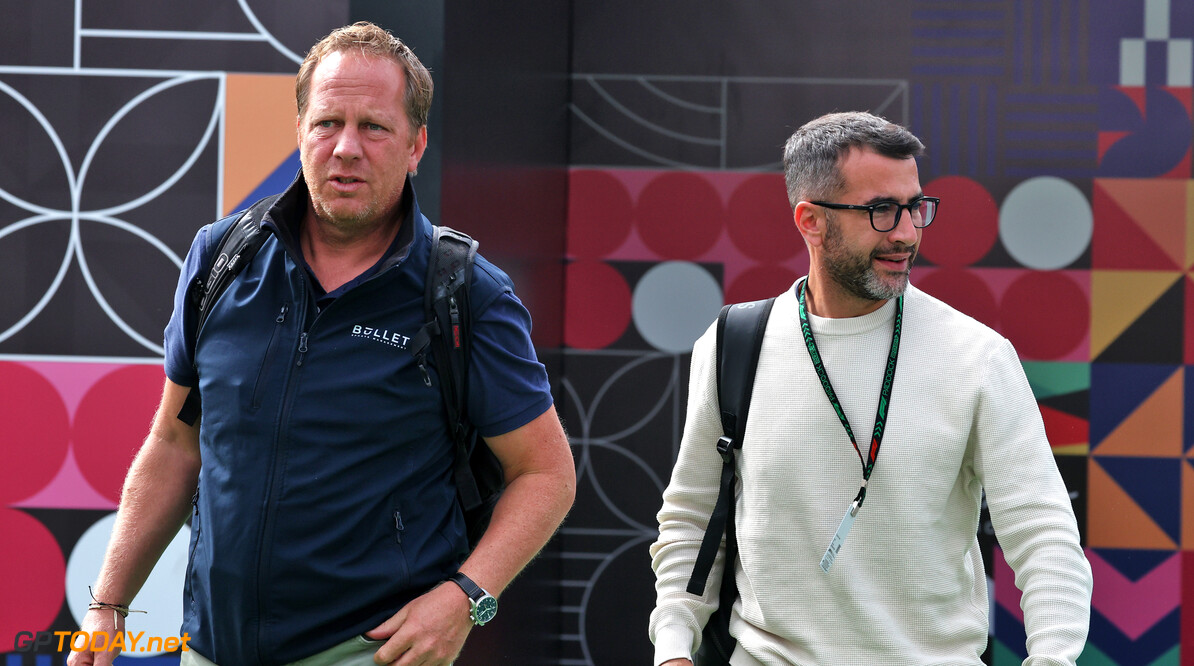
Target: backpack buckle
724,445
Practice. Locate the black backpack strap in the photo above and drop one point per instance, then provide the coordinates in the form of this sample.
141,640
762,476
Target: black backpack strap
447,334
740,330
236,248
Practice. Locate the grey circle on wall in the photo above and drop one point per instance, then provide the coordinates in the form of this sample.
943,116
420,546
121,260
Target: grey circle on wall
1046,223
674,303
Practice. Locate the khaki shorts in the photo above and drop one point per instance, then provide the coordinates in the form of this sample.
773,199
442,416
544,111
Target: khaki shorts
356,651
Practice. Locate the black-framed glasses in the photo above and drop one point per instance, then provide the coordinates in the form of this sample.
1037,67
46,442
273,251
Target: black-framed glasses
885,215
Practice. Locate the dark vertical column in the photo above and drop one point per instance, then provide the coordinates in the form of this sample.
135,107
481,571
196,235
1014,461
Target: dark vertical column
504,100
419,24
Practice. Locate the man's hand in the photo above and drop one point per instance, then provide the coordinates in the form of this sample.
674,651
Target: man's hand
103,621
429,631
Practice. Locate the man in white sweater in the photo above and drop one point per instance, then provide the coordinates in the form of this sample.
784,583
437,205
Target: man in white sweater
903,583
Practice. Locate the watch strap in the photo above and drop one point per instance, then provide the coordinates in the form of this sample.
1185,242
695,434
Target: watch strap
474,591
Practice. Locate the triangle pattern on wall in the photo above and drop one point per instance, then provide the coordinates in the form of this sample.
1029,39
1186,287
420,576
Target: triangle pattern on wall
1154,428
1155,335
1128,231
1122,522
1119,298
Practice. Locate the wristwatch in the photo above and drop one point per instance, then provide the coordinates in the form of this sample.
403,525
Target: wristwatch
484,605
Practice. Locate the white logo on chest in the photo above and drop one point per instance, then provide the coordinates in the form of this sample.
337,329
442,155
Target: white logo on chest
382,335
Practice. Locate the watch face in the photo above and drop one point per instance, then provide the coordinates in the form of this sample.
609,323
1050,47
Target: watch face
485,609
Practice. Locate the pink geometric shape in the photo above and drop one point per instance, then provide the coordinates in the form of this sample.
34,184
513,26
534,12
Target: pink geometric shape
760,220
597,304
679,215
599,213
1007,595
69,490
35,433
111,423
1135,606
33,585
967,225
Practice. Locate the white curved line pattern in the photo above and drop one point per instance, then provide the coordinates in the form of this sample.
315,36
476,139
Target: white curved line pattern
108,216
622,109
54,284
124,111
279,46
54,138
672,99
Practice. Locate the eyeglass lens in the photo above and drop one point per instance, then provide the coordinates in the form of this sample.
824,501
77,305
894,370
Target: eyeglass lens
885,217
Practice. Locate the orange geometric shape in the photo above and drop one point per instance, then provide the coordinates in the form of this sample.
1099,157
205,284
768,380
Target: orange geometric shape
1118,298
1114,520
1154,429
1189,226
1157,207
259,131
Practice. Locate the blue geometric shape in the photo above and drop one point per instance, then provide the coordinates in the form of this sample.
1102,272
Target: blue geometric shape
1155,484
1154,149
1134,564
1117,390
1144,650
1188,413
1010,631
277,181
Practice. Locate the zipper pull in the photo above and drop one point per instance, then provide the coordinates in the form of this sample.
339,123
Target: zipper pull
302,347
399,528
421,359
282,315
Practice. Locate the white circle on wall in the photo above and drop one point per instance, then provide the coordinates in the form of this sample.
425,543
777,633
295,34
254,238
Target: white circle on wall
1046,223
160,597
674,303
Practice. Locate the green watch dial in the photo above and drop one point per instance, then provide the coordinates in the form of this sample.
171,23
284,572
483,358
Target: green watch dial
484,610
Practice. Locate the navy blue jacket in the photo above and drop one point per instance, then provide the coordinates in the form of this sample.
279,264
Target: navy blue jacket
325,497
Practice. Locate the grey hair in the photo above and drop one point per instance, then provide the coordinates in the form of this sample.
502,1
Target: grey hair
812,155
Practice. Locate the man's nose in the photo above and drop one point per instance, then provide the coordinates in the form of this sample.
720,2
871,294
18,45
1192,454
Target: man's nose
348,144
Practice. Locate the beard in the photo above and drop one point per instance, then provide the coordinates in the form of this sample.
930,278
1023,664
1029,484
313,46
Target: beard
347,213
856,273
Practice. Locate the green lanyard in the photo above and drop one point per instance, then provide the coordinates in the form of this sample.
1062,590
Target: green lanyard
868,465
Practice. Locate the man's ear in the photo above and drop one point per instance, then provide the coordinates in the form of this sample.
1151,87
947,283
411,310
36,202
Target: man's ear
810,222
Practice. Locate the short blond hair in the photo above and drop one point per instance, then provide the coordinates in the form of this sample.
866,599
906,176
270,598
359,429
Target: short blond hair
370,39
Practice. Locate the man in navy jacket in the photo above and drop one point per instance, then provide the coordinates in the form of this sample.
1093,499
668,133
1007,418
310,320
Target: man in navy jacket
318,481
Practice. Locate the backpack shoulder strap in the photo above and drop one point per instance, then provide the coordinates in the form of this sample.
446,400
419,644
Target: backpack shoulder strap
447,334
236,248
740,330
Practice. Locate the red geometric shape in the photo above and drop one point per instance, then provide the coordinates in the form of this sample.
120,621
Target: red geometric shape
760,282
1119,241
1065,429
1108,139
679,215
34,580
760,220
35,435
1187,615
968,235
598,304
111,423
1045,315
1181,171
599,213
964,291
1138,95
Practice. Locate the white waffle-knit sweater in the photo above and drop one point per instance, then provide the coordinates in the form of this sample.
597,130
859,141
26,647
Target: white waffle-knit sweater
908,586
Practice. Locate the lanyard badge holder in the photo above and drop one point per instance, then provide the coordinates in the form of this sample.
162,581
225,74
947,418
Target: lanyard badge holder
868,465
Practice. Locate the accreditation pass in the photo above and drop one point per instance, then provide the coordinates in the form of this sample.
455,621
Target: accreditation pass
839,537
